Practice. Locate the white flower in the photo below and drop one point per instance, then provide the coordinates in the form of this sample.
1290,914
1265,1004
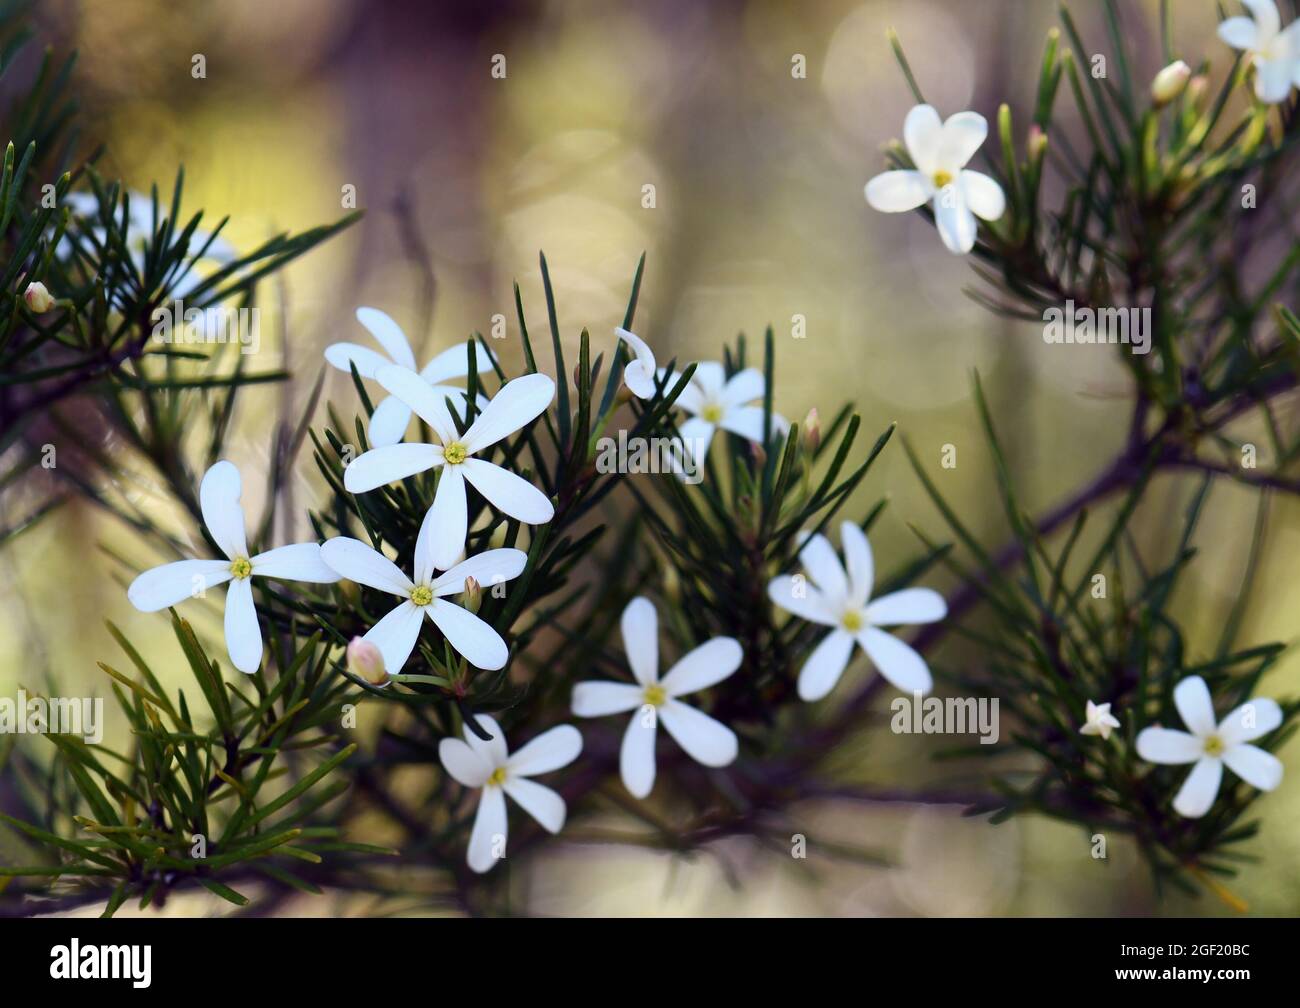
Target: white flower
389,421
489,765
517,404
705,740
171,583
639,375
714,401
1275,54
842,601
395,635
940,152
1210,746
1099,720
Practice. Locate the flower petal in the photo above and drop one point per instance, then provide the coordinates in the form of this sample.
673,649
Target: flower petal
429,404
896,661
820,561
538,801
702,667
395,635
1192,698
705,739
490,830
488,568
464,765
911,605
861,564
388,422
518,404
639,375
1197,794
1239,32
636,756
1273,79
923,137
164,586
746,421
422,565
454,363
344,355
963,134
639,624
1255,766
380,466
508,493
1166,745
243,635
1267,18
802,598
743,387
954,221
982,194
470,636
898,191
494,749
389,335
1250,721
596,698
825,665
299,562
691,398
697,435
356,561
219,501
448,520
551,750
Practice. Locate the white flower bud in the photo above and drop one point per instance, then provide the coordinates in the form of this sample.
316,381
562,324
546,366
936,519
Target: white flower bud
366,662
1169,83
38,298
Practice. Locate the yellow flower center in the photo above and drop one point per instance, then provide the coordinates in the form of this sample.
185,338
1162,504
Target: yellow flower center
455,453
240,568
1214,746
852,621
941,179
655,696
712,413
422,595
498,776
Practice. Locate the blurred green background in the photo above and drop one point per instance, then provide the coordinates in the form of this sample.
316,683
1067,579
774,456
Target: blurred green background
758,218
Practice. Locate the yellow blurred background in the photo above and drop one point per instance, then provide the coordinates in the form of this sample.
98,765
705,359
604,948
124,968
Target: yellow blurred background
758,218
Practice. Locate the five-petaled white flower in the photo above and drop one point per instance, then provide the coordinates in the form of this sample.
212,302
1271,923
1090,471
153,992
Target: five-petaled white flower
389,421
837,600
517,404
489,765
1098,720
639,375
173,582
1211,745
714,401
705,740
940,151
1274,53
395,635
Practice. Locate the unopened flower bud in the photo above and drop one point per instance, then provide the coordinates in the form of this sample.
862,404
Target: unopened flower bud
38,298
1169,83
473,595
758,453
1196,89
812,430
1036,143
366,662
